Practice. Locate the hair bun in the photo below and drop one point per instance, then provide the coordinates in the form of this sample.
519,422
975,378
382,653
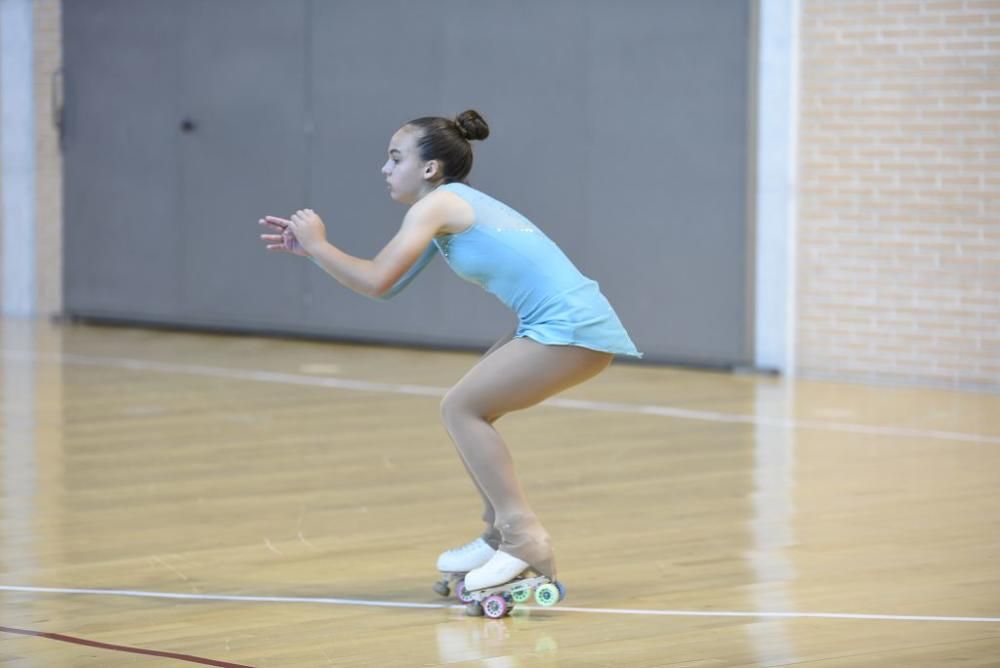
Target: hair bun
472,125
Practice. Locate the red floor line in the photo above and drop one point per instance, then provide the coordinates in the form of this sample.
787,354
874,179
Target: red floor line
122,648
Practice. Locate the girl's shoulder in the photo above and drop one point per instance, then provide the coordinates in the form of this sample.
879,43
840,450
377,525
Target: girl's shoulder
453,211
461,189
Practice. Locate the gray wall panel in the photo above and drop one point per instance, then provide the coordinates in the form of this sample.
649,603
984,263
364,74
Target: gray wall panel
524,65
243,70
363,86
122,249
620,128
668,131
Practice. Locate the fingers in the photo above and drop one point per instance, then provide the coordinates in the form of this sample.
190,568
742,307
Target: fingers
303,215
277,223
284,233
274,222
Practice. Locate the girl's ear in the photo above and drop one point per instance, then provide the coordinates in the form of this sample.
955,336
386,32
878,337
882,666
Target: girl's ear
432,170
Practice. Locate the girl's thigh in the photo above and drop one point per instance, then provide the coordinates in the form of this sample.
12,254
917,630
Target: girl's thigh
523,373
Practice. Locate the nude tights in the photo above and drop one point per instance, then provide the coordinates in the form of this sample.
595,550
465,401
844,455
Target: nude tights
512,376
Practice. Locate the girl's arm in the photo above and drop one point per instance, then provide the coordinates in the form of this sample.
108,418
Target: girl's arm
412,272
305,234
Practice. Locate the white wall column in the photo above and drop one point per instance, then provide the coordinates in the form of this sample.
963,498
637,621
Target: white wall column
17,159
777,169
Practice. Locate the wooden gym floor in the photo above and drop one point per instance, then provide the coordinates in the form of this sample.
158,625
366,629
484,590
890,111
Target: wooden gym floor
172,499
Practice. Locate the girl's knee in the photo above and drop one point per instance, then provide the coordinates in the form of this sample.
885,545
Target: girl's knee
456,407
452,407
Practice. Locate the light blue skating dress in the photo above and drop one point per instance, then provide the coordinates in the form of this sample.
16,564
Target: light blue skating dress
509,257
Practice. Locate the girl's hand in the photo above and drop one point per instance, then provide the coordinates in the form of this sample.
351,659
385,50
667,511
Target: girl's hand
308,229
288,236
281,238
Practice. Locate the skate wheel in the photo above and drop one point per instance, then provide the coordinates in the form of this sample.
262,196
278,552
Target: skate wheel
461,594
520,593
474,610
441,588
495,607
547,595
562,590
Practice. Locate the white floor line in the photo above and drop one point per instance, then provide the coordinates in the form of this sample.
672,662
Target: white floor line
439,606
429,390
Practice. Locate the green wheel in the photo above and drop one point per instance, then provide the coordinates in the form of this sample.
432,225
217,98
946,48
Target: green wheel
547,595
520,593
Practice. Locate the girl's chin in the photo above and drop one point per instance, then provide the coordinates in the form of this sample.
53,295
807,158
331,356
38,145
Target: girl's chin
398,197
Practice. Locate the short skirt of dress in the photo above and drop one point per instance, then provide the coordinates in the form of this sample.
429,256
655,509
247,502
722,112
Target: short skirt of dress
582,317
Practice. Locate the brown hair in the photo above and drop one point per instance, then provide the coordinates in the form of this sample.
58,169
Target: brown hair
447,141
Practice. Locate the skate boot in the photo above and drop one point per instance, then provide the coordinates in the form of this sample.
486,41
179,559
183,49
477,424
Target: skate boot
455,563
504,580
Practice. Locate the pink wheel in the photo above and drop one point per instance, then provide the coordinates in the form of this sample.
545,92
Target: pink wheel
495,606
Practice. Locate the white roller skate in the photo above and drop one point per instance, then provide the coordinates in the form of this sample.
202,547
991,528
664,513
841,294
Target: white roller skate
454,564
494,588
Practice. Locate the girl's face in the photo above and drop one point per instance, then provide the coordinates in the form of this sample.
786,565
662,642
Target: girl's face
408,177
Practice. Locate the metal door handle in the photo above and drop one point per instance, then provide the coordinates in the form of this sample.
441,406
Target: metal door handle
57,103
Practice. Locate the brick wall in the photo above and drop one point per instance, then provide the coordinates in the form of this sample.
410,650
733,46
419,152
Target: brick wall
899,198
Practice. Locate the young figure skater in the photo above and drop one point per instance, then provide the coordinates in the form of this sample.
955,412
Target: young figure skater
567,332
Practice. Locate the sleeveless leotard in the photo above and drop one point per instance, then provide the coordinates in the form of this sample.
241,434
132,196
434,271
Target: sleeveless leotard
509,257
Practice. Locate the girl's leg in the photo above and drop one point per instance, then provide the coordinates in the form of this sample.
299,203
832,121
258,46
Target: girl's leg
491,535
520,374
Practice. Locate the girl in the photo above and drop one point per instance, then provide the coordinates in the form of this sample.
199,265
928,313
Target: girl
567,332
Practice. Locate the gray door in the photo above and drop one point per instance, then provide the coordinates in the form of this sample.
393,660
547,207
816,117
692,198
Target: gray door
620,128
668,188
366,81
184,126
243,70
121,159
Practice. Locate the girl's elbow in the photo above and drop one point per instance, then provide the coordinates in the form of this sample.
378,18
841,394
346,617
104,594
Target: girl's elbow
380,289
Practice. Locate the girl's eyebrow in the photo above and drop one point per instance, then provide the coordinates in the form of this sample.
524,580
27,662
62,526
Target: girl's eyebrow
394,150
